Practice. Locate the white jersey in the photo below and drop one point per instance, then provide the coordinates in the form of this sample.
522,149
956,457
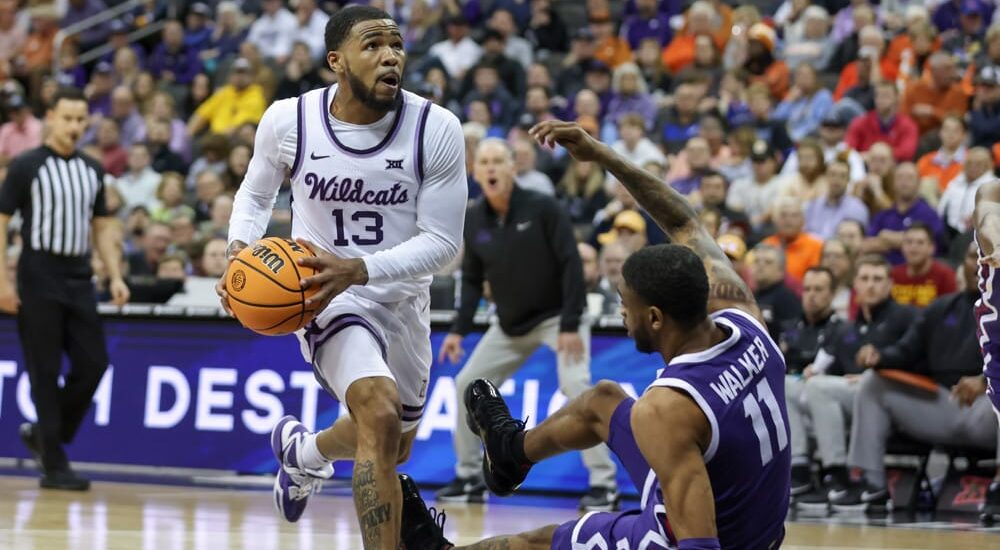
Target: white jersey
393,192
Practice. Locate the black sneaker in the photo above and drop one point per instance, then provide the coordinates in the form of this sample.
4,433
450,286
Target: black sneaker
990,512
420,528
489,417
861,496
29,436
802,480
66,480
463,489
600,499
815,500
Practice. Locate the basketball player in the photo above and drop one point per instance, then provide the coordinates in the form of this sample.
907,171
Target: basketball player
378,193
987,235
707,443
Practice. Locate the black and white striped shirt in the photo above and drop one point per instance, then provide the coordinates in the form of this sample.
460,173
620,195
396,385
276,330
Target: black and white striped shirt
57,197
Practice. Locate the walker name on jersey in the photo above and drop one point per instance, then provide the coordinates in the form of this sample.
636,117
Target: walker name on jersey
353,190
732,381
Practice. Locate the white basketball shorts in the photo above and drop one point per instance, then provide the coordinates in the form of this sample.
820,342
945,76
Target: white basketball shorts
355,338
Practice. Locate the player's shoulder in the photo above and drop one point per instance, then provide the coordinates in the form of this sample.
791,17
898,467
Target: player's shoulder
281,117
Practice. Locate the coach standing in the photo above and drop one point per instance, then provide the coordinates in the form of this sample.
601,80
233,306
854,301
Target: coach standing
60,194
521,242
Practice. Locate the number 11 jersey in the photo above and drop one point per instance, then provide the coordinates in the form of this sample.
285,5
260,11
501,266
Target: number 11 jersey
739,384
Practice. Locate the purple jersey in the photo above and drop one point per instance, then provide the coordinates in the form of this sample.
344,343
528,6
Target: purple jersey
740,386
988,327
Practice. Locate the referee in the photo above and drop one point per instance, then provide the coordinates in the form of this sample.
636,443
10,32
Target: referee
60,195
521,242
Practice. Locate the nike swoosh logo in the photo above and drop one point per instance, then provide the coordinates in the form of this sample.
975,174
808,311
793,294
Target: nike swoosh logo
871,496
834,494
314,157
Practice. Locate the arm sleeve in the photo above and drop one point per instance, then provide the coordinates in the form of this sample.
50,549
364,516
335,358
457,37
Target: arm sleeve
574,293
472,291
14,192
255,197
441,205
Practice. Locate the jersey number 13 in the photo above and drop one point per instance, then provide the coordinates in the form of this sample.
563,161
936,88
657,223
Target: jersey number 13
373,230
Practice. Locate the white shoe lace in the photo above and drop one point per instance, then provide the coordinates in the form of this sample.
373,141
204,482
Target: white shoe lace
303,486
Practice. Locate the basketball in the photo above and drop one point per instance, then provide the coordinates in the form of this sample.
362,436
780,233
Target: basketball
264,290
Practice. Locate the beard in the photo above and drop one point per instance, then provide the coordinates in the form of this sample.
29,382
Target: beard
367,95
643,339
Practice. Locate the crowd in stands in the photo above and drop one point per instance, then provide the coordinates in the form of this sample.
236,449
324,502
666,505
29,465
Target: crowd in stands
825,144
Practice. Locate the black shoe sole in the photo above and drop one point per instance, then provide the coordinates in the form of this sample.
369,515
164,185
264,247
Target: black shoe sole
83,486
31,443
498,484
989,518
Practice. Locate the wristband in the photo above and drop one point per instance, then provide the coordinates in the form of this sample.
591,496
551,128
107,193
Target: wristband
699,544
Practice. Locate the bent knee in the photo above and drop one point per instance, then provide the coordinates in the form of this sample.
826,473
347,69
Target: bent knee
375,405
606,390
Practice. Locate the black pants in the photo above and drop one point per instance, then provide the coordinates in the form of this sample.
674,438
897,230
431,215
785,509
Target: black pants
49,324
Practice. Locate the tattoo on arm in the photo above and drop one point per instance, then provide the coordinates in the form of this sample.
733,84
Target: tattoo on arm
372,512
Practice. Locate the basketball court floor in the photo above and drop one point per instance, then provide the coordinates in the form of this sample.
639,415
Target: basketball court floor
201,514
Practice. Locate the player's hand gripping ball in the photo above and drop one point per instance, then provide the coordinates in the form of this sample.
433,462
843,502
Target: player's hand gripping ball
263,283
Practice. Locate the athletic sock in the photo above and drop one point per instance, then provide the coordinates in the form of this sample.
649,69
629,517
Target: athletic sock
310,454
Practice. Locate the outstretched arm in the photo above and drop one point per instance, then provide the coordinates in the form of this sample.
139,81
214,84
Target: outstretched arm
669,208
987,218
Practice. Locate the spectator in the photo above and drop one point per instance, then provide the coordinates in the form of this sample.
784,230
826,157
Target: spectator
546,31
767,128
98,91
814,46
712,196
164,160
678,123
114,157
948,14
591,274
885,123
920,280
213,260
581,191
911,50
809,182
153,247
707,63
984,120
214,153
805,105
489,90
832,380
81,10
39,49
634,145
227,35
837,258
127,65
885,234
852,233
510,72
138,185
182,231
755,196
575,64
274,31
647,22
514,47
630,96
71,72
762,63
171,61
876,189
21,132
647,57
832,130
126,114
959,198
197,28
163,107
301,73
778,304
801,340
209,185
628,228
170,199
236,165
612,258
12,35
824,214
967,40
528,176
802,250
172,266
945,164
310,28
239,102
928,102
942,345
459,52
697,157
702,18
217,224
870,61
